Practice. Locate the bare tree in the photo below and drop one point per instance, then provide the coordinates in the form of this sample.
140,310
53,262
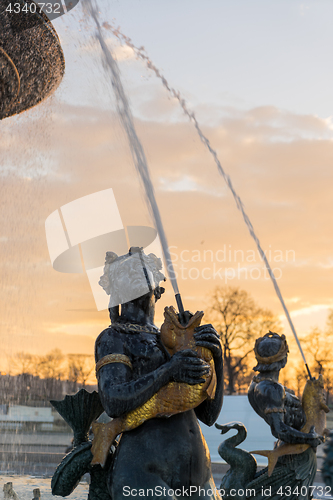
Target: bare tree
244,372
80,367
319,346
300,379
22,362
239,321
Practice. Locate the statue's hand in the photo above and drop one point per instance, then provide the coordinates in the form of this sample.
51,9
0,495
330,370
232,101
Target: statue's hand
187,367
207,336
314,438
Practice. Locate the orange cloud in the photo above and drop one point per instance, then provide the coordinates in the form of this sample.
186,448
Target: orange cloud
280,165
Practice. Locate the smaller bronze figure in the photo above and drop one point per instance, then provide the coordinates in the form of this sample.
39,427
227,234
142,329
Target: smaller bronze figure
297,426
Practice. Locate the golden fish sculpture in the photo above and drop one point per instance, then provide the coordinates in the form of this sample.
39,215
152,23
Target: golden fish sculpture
173,398
315,410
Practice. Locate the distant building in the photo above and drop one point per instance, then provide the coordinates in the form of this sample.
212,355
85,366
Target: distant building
20,417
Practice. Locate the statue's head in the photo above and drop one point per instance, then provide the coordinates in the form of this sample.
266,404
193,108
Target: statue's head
271,352
128,277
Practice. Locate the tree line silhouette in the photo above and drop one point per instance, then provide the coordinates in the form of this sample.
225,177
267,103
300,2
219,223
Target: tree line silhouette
35,379
239,322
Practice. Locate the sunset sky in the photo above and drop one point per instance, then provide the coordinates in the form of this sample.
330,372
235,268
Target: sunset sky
259,77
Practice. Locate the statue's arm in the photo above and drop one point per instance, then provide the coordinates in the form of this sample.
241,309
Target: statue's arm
270,397
290,435
209,410
120,392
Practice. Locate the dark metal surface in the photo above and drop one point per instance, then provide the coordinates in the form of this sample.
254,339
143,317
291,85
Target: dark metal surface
161,451
31,59
79,411
293,474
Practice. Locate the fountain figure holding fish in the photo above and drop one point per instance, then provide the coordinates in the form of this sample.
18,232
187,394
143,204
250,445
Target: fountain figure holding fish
298,425
155,385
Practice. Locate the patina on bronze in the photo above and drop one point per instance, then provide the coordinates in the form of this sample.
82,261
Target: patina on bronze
171,399
31,59
158,384
298,425
79,411
315,409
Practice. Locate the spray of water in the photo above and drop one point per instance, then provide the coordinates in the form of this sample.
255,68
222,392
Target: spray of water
140,53
137,151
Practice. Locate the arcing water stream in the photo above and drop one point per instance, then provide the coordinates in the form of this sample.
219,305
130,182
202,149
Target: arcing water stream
137,151
141,163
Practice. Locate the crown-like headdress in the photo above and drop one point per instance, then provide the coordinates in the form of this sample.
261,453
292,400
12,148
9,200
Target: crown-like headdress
283,351
119,271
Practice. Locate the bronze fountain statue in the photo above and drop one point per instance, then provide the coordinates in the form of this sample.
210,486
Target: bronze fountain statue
155,385
31,59
298,426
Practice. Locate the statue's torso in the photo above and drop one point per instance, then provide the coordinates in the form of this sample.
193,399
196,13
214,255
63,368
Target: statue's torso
160,444
269,395
173,448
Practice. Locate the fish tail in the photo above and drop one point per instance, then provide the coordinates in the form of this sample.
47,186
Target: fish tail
272,459
104,436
